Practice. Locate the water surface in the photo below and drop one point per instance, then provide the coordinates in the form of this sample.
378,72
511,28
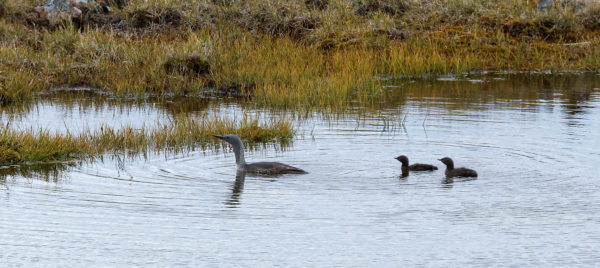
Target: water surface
534,140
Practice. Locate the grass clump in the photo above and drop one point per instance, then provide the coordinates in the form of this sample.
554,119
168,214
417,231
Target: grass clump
187,65
3,10
316,4
390,7
146,17
16,87
180,133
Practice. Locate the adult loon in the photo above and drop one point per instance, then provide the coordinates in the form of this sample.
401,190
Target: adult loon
269,168
456,172
414,167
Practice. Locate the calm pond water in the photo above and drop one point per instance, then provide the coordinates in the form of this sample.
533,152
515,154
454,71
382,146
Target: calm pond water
534,140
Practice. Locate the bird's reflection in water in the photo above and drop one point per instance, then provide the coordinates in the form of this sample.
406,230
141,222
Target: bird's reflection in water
236,190
448,183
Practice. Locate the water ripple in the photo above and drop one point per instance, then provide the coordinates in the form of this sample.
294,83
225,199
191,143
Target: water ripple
535,202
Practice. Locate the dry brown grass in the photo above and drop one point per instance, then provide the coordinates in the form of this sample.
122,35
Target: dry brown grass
288,53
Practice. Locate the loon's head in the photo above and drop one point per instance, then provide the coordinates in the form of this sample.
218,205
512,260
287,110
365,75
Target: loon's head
231,138
403,159
447,161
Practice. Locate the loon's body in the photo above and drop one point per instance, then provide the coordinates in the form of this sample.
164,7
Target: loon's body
414,167
268,168
456,172
272,168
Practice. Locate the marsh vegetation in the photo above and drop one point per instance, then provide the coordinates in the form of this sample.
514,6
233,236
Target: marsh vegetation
18,146
298,55
286,53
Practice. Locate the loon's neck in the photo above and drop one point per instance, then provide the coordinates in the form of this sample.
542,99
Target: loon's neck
241,167
238,150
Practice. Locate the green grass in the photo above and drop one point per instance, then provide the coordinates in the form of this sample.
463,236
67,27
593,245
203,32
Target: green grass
179,134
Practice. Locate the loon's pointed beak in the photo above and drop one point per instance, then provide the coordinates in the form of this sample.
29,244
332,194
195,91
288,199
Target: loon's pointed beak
219,137
440,159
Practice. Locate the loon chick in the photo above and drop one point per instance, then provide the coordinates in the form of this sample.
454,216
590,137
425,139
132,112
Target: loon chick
270,168
456,172
414,167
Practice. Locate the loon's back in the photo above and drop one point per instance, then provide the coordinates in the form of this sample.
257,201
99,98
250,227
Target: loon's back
461,172
422,167
272,168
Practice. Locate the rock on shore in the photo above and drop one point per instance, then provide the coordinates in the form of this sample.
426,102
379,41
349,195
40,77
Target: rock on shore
55,12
